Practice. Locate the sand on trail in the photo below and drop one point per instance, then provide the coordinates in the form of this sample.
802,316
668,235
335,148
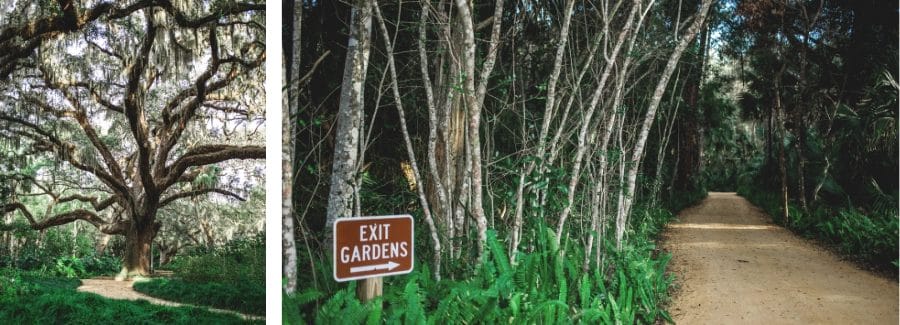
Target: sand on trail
110,288
734,266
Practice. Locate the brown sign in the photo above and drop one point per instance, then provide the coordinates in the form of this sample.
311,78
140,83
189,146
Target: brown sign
367,247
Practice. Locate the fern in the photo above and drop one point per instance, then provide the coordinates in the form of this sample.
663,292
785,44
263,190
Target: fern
498,253
415,314
342,308
585,291
375,312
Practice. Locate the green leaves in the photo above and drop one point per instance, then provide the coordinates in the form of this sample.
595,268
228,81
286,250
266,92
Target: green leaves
535,290
870,237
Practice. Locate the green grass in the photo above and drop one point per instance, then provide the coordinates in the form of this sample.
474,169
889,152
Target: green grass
239,296
33,298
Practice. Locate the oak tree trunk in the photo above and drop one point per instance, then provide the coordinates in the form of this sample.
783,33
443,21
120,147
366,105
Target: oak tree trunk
138,239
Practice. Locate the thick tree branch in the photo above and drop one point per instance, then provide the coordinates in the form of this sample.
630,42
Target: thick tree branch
49,142
134,110
210,154
194,193
99,205
66,217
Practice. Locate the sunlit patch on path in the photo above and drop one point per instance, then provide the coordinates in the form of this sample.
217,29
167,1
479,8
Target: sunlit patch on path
721,226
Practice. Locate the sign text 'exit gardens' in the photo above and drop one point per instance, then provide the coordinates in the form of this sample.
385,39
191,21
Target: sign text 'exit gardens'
368,247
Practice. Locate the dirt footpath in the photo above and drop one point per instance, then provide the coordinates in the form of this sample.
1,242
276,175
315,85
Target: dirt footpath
733,266
113,289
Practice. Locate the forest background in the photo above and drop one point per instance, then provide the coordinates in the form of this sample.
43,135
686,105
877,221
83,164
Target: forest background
542,145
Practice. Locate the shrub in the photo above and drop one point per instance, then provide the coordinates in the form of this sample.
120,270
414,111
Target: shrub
870,238
69,267
228,277
239,260
101,264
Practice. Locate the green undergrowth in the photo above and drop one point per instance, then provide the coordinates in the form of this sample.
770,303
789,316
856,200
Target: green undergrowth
240,296
547,284
58,253
229,277
868,238
35,298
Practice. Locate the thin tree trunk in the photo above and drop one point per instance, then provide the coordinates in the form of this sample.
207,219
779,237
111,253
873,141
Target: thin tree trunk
436,242
782,170
343,170
665,138
638,152
290,100
443,212
474,99
801,164
586,121
545,127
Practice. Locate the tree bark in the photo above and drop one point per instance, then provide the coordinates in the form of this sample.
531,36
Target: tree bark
138,239
350,110
289,101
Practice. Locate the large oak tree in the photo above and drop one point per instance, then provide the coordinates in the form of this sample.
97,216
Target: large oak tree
116,91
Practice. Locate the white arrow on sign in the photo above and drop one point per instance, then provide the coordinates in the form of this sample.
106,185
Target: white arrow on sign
390,265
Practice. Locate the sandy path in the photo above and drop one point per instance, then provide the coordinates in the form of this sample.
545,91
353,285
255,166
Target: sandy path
110,288
734,266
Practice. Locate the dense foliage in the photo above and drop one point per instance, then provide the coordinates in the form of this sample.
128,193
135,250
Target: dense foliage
803,120
871,239
35,298
228,277
543,286
57,251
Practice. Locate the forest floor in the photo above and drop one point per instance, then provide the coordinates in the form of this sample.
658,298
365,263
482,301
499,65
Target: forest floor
110,288
733,265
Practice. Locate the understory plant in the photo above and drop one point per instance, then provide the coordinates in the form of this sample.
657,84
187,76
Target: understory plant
870,238
546,284
228,277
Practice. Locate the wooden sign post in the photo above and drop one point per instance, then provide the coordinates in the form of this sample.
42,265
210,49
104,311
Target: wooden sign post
368,248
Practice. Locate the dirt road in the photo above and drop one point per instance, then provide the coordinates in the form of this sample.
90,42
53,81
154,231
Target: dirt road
735,267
